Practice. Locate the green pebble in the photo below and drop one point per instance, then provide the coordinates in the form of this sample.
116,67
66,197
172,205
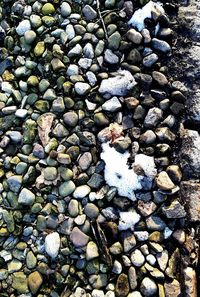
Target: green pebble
66,188
48,8
39,49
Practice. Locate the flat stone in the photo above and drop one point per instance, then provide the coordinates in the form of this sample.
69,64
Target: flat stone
161,45
89,13
174,211
137,258
78,238
189,154
52,244
81,191
35,281
134,36
110,57
190,193
190,282
112,105
172,288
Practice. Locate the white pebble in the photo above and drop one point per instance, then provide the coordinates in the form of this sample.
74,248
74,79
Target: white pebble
52,244
23,26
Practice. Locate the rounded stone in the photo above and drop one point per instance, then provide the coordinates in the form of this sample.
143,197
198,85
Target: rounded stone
30,36
91,210
23,27
148,287
81,191
137,258
52,244
65,9
48,9
70,118
66,188
50,173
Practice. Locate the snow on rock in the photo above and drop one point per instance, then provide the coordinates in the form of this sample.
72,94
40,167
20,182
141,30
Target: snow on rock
119,85
140,15
52,244
118,174
128,219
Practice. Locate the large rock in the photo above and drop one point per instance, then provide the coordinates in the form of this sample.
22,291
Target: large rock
190,193
119,85
190,154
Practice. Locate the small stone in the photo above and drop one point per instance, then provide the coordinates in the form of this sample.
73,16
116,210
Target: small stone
70,118
174,211
164,182
117,267
14,265
155,223
150,60
85,160
73,208
35,281
65,9
160,78
137,258
112,105
19,282
48,9
161,45
148,287
14,183
132,275
85,63
172,288
26,197
122,286
89,13
114,41
30,36
174,173
134,36
39,49
78,238
66,188
82,88
31,260
81,192
57,65
110,57
153,117
23,27
91,210
91,251
52,244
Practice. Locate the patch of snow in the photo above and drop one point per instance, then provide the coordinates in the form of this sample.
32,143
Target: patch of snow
140,15
128,219
119,85
118,174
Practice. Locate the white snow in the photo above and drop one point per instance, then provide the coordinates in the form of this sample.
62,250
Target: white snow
140,15
118,174
119,85
128,219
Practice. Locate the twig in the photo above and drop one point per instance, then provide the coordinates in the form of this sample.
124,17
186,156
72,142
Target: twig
101,19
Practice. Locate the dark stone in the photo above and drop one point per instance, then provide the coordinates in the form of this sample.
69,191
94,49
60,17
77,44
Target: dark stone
122,286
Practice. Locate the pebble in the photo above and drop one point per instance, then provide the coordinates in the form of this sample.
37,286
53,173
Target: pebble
122,286
91,251
81,192
164,182
134,36
78,238
35,281
89,13
110,57
26,197
161,45
82,88
52,244
148,287
65,9
150,60
137,258
23,27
